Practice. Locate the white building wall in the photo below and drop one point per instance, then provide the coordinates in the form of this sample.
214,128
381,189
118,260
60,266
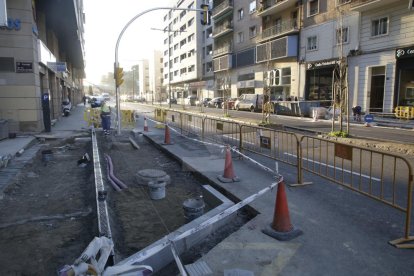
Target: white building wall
155,76
359,75
400,28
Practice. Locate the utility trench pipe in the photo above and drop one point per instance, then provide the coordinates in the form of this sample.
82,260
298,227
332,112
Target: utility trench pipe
111,175
114,185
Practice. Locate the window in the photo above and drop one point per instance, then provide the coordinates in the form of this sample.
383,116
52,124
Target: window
165,52
240,14
166,41
313,7
176,46
166,64
191,37
175,20
183,28
252,31
183,56
165,18
379,26
240,37
312,43
191,6
183,42
175,59
191,53
165,76
344,34
169,14
190,22
191,68
183,71
175,73
252,6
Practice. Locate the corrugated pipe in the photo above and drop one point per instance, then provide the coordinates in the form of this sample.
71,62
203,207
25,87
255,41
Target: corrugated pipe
114,185
111,173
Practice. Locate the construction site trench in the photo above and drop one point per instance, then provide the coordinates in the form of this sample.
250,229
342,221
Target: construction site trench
48,214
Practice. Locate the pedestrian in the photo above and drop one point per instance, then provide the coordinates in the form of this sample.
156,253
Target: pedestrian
84,100
106,117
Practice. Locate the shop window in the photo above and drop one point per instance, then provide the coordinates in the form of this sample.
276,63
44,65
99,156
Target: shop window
312,43
379,26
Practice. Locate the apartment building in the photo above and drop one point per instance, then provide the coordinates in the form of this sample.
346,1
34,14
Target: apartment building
329,33
235,31
277,47
41,61
155,69
183,54
143,80
381,70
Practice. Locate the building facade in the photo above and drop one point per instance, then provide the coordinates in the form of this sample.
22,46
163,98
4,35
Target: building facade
183,50
155,68
41,61
381,71
143,80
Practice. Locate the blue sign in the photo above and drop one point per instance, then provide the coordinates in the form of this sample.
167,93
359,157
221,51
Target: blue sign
369,118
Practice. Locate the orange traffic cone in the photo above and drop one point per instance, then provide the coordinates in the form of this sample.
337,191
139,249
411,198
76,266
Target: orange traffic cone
228,175
145,124
281,227
167,138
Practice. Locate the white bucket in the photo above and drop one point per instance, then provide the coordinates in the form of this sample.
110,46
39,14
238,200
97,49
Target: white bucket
157,189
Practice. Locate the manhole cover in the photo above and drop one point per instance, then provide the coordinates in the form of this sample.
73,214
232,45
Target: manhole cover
147,175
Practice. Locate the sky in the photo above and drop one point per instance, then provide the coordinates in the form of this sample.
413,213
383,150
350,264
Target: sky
104,21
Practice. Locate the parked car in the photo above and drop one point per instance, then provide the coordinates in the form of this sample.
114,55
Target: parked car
190,100
173,101
203,102
216,102
252,102
96,102
229,103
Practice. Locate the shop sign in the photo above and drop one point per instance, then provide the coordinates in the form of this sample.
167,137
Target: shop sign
57,66
321,63
404,53
24,67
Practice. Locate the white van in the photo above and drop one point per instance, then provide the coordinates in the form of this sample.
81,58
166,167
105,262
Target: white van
252,102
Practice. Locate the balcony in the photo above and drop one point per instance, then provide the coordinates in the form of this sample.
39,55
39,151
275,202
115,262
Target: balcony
286,27
227,49
222,9
365,5
222,30
275,6
285,47
222,63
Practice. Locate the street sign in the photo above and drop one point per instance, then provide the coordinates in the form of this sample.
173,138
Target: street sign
369,118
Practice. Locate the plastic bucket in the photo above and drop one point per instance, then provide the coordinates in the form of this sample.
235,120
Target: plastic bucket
193,208
157,189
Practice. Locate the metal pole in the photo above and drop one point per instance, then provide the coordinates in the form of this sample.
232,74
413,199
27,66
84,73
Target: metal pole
117,90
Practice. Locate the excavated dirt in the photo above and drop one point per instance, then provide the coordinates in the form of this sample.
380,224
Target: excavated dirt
48,215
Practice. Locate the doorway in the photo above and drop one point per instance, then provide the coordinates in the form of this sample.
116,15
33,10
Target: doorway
376,102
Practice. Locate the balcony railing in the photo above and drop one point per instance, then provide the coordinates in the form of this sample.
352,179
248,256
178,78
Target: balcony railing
222,29
222,8
279,30
364,5
275,6
227,49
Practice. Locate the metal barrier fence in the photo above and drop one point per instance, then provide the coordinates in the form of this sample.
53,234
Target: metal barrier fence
382,176
279,145
221,131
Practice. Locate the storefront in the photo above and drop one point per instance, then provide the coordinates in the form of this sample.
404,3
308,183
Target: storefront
405,76
319,80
